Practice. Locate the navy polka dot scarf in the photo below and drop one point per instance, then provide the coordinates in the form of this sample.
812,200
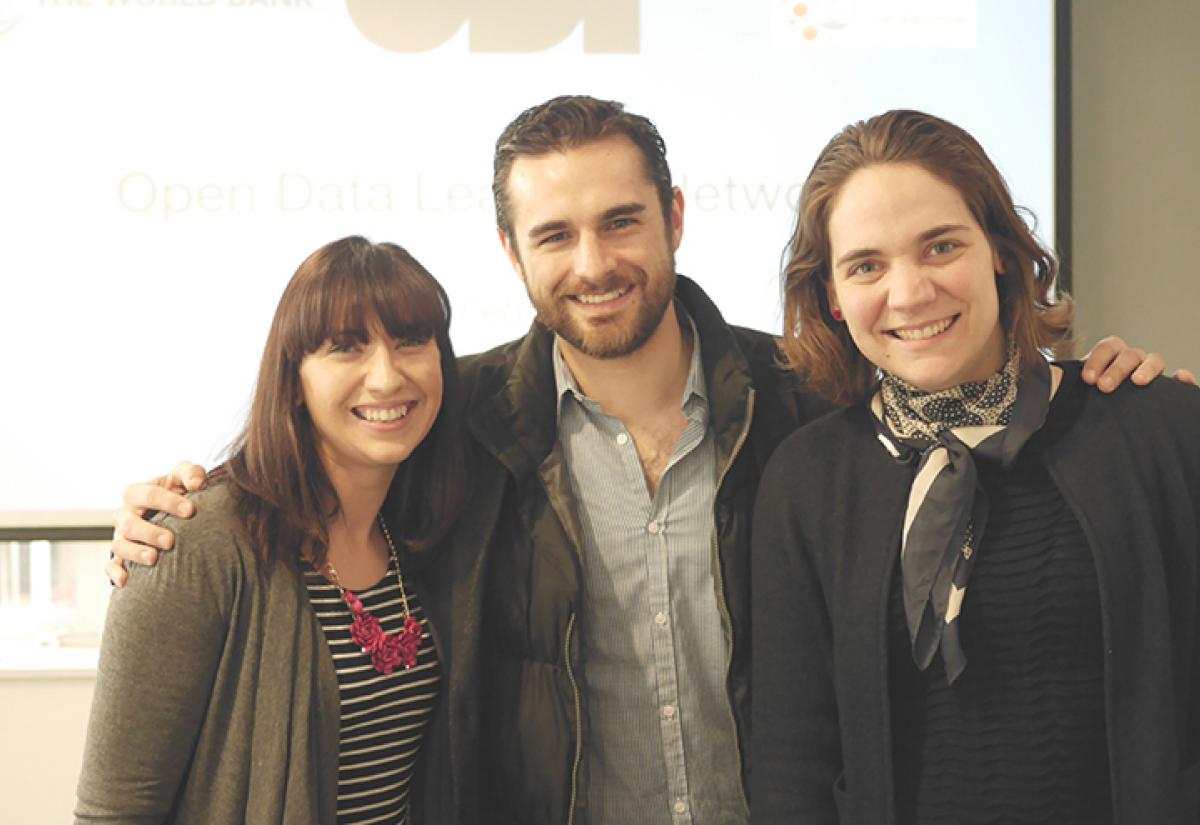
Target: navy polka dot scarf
947,509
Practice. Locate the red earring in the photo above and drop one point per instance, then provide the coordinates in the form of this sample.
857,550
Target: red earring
836,313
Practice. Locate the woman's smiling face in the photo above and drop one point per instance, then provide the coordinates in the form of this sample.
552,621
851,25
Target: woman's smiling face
914,276
371,402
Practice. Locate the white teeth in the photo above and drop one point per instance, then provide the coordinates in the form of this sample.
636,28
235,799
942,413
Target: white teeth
922,333
394,414
602,297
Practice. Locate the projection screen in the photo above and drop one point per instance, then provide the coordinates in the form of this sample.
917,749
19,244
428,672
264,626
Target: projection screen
166,165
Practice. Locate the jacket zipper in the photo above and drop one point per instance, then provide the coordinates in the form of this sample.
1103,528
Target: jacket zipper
578,720
721,601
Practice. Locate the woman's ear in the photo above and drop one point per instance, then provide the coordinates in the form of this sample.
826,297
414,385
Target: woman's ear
835,308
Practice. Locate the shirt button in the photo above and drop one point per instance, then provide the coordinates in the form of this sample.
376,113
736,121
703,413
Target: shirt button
680,806
654,528
622,439
669,711
660,619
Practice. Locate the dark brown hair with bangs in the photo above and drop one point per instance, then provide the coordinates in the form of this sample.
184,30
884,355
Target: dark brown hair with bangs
818,348
284,495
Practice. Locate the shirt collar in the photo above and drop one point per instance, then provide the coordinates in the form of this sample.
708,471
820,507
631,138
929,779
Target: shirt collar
565,385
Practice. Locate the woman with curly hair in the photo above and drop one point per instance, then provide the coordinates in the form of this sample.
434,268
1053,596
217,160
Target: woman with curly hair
976,588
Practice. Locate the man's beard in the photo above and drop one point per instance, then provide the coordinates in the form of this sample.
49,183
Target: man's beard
609,337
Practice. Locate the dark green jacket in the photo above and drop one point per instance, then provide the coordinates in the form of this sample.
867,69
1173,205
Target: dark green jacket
515,577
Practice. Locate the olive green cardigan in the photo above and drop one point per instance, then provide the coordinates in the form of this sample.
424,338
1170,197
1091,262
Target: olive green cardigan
216,698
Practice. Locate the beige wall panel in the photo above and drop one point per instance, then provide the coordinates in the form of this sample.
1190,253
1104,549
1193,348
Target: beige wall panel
1136,148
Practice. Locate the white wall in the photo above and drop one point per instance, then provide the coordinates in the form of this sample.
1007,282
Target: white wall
1136,112
42,724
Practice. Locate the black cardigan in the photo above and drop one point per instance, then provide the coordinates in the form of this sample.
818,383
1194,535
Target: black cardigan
826,537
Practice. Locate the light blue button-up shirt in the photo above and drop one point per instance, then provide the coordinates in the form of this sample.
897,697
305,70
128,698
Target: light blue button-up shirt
662,741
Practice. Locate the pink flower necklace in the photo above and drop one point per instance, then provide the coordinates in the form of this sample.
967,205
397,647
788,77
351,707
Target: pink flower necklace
386,649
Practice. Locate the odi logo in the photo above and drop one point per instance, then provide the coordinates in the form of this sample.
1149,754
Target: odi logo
514,26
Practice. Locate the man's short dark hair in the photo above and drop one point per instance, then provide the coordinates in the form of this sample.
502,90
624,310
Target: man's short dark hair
569,121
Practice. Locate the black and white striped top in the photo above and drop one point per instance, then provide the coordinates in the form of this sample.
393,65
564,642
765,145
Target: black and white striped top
383,718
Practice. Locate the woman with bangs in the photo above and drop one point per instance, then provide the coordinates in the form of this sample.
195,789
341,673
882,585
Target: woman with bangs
977,588
286,668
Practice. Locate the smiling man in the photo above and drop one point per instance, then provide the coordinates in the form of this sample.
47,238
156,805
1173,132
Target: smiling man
594,601
630,427
594,249
622,441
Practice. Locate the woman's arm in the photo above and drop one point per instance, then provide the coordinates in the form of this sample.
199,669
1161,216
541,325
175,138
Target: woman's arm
163,641
796,739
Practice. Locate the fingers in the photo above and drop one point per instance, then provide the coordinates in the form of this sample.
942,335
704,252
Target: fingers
115,570
137,540
128,550
1151,367
1121,367
138,498
138,551
1100,356
1186,376
130,526
1112,361
186,476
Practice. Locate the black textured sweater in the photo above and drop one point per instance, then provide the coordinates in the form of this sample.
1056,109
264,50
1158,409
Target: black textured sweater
1020,737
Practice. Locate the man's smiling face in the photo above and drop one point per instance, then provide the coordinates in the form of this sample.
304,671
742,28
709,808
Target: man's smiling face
591,243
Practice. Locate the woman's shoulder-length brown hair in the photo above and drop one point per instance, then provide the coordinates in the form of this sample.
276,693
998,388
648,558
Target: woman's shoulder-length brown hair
282,490
818,348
